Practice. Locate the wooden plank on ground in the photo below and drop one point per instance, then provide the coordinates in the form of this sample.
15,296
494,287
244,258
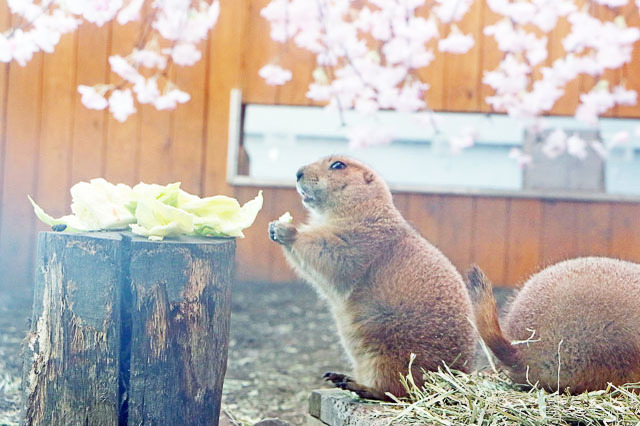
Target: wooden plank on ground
490,225
90,126
523,240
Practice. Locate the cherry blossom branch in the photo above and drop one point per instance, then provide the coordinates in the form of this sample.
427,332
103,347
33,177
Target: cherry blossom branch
170,32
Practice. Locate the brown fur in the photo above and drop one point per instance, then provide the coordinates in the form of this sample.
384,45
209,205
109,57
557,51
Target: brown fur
390,291
585,310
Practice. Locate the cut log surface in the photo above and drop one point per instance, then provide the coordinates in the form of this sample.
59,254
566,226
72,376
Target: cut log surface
128,331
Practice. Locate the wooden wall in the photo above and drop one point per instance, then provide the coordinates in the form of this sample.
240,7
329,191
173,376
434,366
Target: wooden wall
49,141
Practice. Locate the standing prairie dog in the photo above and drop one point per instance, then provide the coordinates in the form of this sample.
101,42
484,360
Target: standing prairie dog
390,291
574,325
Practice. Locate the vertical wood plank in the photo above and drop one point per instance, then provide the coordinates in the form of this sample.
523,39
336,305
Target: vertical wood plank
5,20
58,104
156,144
301,63
559,240
254,253
90,126
490,224
490,55
630,73
24,101
593,233
625,231
226,56
461,71
260,50
424,213
523,240
401,201
284,199
122,147
186,157
456,230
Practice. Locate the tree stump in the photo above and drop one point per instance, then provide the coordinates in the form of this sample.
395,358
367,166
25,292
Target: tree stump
127,330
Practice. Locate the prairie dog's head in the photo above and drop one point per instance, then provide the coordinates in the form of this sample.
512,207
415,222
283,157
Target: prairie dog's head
337,184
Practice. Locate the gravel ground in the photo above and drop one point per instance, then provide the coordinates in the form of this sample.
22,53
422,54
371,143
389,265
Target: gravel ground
282,340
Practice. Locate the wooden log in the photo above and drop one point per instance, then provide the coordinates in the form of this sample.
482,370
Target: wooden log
72,349
180,324
128,331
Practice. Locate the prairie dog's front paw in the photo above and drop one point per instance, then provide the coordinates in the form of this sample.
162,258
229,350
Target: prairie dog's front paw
282,232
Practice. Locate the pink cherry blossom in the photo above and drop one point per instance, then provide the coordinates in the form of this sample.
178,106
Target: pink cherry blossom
146,90
456,42
620,138
520,157
599,149
147,58
366,135
121,104
91,98
451,10
170,99
130,12
184,54
577,146
612,3
274,75
555,144
21,46
124,69
459,143
100,11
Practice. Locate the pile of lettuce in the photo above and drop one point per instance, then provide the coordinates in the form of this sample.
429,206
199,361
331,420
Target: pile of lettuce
153,211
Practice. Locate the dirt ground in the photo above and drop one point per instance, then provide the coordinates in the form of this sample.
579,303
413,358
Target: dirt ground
282,340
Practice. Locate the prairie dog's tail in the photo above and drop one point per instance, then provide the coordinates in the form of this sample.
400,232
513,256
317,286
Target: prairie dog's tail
486,319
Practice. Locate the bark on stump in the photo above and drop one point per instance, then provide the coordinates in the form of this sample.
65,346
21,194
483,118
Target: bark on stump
127,330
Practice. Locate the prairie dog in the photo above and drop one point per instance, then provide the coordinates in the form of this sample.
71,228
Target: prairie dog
390,291
576,325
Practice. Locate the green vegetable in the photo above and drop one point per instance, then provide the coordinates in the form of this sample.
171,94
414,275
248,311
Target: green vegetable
153,211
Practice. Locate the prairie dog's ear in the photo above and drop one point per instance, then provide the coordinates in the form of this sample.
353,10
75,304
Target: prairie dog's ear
368,177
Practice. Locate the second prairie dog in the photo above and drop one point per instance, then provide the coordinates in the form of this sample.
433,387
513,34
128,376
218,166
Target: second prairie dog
576,325
390,291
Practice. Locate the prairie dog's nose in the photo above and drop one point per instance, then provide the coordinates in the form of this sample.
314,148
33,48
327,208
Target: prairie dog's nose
299,174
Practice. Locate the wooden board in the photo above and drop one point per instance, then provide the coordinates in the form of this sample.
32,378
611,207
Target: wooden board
490,226
524,243
90,126
20,172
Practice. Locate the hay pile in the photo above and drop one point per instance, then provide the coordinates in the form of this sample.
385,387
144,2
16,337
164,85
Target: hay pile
489,398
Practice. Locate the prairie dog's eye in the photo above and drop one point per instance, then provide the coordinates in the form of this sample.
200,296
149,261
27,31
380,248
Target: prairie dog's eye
337,165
